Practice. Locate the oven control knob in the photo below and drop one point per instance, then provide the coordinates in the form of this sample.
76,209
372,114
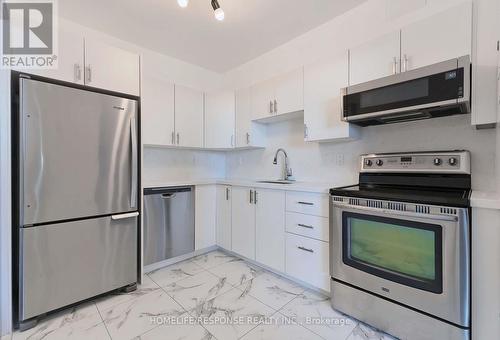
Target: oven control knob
380,162
368,162
452,161
437,161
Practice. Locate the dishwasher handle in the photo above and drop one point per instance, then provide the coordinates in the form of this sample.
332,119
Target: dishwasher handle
168,196
166,191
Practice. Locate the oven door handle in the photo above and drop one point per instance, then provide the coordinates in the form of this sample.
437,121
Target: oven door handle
400,213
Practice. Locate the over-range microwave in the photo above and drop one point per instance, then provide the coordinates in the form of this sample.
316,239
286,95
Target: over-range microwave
437,90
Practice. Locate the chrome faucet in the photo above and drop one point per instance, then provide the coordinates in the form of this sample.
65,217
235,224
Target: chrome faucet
287,171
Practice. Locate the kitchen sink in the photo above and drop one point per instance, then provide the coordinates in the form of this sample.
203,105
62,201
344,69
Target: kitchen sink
277,182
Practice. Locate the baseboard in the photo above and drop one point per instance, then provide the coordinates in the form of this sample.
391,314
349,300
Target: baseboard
151,267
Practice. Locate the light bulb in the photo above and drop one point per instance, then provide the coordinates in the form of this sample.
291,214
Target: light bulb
183,3
219,14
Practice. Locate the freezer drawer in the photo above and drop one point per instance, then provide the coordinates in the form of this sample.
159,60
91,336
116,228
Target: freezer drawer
168,223
64,263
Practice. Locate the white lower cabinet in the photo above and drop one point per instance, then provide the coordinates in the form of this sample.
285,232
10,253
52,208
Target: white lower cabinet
223,229
205,216
270,228
307,260
243,222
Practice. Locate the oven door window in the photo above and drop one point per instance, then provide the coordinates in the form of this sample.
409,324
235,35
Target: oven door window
403,251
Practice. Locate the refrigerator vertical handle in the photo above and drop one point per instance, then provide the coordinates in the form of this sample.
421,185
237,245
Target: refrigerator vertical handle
133,172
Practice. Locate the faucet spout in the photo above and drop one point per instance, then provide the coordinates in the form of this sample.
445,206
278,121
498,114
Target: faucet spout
287,171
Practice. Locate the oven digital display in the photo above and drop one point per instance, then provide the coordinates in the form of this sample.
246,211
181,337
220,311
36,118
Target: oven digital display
406,159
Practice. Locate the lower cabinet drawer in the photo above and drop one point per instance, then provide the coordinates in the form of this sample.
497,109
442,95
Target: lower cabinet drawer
307,203
308,260
307,225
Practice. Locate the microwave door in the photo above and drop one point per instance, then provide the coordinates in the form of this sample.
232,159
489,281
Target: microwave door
78,153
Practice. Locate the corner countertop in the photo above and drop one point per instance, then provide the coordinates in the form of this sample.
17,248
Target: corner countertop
314,187
479,199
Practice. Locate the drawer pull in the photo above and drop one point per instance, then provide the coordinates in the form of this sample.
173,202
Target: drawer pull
305,226
306,249
305,203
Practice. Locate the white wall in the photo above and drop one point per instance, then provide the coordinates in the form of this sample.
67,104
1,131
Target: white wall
164,165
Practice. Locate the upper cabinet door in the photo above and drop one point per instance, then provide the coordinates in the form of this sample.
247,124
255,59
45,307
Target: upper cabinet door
219,120
111,68
248,133
376,59
70,59
289,93
323,82
263,96
188,117
157,111
444,36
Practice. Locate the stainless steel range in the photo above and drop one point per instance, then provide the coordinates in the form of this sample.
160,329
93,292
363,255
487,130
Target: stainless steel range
400,254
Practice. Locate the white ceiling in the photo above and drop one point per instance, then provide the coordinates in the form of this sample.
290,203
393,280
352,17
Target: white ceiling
192,34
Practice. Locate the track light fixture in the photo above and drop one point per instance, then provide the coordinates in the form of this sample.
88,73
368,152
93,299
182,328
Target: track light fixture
218,12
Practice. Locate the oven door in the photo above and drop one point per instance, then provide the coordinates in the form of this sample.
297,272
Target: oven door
416,259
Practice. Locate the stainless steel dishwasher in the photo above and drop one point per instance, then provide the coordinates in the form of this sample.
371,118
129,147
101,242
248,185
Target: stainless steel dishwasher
168,223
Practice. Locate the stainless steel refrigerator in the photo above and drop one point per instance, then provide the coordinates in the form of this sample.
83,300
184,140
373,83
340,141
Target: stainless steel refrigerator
77,196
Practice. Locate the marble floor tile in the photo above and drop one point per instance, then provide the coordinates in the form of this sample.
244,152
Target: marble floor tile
133,318
196,290
174,273
364,332
81,322
236,272
280,327
314,312
231,315
213,259
115,298
272,289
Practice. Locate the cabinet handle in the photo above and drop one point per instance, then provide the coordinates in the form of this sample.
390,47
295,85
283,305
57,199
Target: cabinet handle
305,203
306,131
88,73
232,140
248,138
275,106
305,226
395,66
78,72
255,197
405,63
271,109
251,196
178,138
173,138
306,249
227,194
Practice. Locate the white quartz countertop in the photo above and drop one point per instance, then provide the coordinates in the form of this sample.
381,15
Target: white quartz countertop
485,199
316,187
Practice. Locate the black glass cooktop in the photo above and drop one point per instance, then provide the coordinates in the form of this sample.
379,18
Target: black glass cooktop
451,197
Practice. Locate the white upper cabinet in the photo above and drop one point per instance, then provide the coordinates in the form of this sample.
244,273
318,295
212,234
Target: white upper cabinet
270,228
248,133
188,117
375,59
323,82
289,95
262,99
281,95
70,59
157,111
444,36
111,68
243,222
224,216
220,120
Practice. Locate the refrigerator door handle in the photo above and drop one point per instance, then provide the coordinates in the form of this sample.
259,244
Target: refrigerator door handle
133,172
124,216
